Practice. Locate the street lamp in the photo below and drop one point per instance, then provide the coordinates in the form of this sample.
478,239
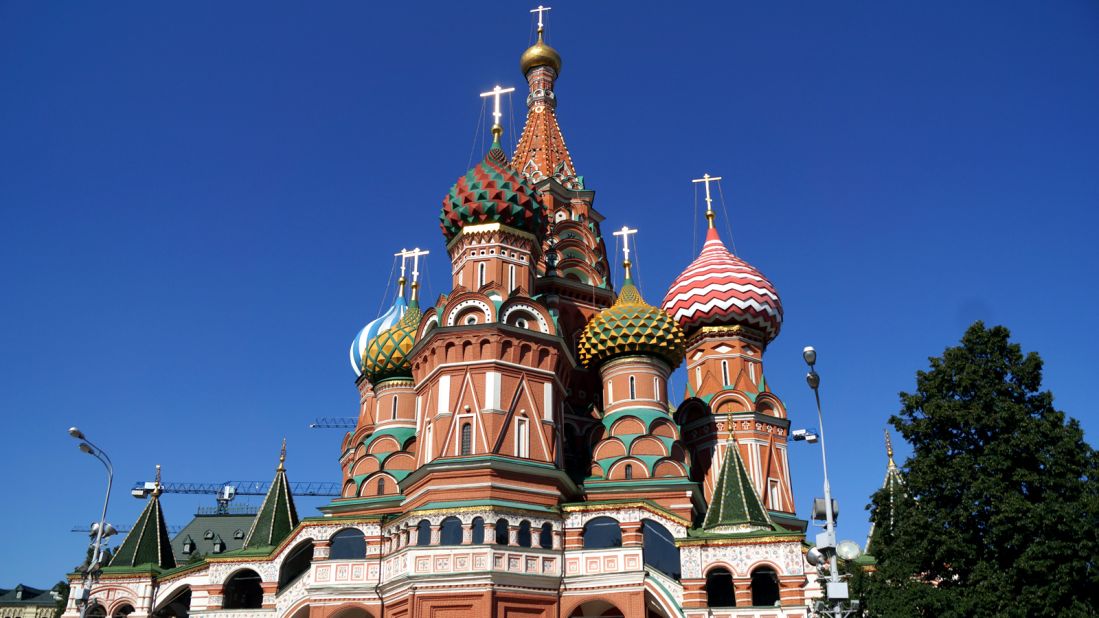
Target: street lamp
102,529
835,588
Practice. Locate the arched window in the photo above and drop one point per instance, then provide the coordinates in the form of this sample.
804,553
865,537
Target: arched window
381,485
242,591
296,563
522,538
467,438
511,277
725,373
602,532
478,531
656,389
698,377
423,533
719,588
347,544
393,414
480,274
629,471
450,531
764,587
545,537
501,531
522,438
123,611
633,388
96,611
658,548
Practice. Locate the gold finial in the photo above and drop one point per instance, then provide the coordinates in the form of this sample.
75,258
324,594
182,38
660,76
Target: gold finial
625,233
496,93
889,448
415,255
282,456
157,489
729,428
706,178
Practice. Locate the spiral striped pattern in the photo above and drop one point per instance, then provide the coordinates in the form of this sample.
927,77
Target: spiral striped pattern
720,289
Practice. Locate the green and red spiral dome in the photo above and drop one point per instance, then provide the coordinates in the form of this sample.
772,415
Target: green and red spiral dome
492,192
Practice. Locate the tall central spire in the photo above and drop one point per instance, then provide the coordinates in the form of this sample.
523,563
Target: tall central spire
541,152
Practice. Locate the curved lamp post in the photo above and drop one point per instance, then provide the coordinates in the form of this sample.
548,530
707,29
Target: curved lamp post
102,528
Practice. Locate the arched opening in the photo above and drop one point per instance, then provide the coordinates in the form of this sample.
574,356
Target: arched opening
545,536
628,469
719,588
522,537
633,388
764,587
347,544
478,536
381,485
96,611
177,605
351,611
296,563
423,533
242,591
450,531
602,532
658,548
122,611
597,609
501,531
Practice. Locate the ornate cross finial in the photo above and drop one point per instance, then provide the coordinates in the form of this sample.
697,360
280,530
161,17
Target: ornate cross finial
497,128
282,456
541,9
730,440
415,255
625,233
706,178
889,447
157,490
403,254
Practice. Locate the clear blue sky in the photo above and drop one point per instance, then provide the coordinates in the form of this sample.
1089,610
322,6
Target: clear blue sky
199,203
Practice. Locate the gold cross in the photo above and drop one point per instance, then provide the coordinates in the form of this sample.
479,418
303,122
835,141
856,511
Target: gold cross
541,9
706,178
497,128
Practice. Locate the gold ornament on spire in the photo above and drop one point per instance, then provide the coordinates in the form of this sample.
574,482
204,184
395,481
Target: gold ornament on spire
540,54
282,456
706,178
157,489
889,448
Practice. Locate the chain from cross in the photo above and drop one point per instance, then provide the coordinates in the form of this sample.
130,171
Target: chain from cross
495,93
541,9
706,178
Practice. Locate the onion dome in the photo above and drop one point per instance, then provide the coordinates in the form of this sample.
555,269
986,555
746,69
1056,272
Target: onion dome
492,192
720,289
631,326
387,354
371,330
538,55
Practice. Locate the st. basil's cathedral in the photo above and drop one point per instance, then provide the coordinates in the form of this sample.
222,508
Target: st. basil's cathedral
515,452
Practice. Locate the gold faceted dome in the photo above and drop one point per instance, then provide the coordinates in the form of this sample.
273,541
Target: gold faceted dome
540,54
386,355
632,326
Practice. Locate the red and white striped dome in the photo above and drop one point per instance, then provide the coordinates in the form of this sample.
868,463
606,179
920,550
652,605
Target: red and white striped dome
720,289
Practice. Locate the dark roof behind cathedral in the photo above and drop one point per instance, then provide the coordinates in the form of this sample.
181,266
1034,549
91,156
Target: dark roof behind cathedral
25,595
208,528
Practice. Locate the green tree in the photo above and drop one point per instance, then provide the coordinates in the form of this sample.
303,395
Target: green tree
62,590
1001,512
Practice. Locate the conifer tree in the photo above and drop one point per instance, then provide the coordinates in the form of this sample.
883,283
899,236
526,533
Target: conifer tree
1001,511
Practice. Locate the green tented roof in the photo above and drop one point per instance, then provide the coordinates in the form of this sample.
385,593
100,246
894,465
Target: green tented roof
277,516
735,505
147,544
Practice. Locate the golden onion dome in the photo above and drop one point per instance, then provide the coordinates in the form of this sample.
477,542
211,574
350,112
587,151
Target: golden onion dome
632,326
540,54
386,355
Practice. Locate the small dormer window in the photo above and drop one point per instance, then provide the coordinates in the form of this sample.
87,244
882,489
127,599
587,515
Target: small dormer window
219,546
208,535
239,534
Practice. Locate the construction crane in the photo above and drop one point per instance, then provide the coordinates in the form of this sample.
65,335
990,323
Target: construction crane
227,490
334,422
88,529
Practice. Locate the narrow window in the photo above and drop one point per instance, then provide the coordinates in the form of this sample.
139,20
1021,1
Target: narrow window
502,532
725,373
752,371
394,407
698,377
461,276
523,438
776,496
656,389
381,486
467,438
429,444
629,471
610,392
511,277
480,274
633,388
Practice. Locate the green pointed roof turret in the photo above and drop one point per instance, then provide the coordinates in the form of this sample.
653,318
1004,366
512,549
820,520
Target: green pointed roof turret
277,516
148,542
736,506
894,489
